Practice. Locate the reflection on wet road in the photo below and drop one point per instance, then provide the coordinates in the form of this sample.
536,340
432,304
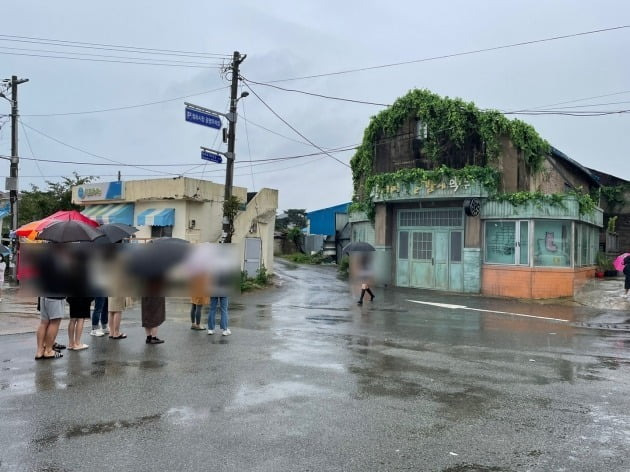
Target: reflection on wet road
311,381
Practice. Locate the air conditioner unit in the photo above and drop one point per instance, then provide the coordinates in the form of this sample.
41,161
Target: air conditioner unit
192,224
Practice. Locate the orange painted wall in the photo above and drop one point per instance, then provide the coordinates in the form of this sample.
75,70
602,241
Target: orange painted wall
532,282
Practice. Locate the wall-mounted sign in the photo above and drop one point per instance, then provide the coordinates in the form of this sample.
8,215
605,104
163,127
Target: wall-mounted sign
101,191
453,187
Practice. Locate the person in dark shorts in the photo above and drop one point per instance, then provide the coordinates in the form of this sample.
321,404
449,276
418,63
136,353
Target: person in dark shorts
79,312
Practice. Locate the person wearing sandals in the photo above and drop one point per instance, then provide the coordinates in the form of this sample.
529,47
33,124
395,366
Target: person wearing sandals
79,312
198,300
153,311
52,310
115,306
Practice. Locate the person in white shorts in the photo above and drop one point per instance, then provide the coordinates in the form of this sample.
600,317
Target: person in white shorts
52,310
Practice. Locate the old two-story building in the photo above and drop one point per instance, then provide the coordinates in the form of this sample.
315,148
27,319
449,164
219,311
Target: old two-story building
458,199
185,208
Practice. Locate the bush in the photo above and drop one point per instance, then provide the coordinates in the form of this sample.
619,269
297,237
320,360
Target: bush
300,258
344,267
262,279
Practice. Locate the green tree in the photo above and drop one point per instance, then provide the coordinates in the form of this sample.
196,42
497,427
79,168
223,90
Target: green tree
36,203
296,218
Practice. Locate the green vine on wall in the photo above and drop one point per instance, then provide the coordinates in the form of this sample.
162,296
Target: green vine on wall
449,121
377,185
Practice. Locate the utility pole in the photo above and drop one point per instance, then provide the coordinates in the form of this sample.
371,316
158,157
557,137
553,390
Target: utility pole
229,174
15,158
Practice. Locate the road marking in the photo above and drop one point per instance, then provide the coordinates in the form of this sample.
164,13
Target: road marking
464,307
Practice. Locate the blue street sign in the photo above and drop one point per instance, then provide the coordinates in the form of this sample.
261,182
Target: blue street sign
202,118
208,156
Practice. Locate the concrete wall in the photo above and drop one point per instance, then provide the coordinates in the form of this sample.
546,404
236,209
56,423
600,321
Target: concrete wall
258,221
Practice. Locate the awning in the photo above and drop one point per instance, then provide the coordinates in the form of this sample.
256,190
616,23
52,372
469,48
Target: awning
113,213
153,217
5,210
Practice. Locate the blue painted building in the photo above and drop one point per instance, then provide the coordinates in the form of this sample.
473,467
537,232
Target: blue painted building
328,230
324,221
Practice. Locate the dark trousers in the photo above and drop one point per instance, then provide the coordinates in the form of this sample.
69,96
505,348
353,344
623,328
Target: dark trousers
195,314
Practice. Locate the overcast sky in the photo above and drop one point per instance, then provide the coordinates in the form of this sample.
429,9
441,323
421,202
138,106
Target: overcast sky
285,39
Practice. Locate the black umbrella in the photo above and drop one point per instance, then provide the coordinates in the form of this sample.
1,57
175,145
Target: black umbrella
154,259
116,232
69,232
358,247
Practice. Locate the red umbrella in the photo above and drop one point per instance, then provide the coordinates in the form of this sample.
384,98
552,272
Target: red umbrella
619,265
31,229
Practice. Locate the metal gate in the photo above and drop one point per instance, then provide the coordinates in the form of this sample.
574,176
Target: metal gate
253,256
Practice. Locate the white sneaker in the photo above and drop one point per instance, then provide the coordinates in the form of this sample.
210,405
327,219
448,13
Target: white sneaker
623,296
210,331
105,330
227,332
97,332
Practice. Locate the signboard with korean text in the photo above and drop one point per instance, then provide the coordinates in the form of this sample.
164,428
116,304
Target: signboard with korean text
212,157
101,191
449,188
203,118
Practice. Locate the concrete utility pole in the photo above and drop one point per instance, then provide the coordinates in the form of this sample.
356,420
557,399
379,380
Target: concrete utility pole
229,174
15,158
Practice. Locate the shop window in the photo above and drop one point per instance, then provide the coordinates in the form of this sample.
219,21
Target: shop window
161,231
507,242
552,243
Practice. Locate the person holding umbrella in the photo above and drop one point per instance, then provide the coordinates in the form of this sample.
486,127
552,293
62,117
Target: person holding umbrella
360,254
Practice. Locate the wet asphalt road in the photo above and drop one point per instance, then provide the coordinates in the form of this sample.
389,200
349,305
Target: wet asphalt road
309,381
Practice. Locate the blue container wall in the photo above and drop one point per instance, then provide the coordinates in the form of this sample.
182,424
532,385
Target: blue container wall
323,221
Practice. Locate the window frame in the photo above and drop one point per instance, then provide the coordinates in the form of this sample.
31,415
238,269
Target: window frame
517,242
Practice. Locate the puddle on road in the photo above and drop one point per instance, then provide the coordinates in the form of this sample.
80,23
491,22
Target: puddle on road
474,468
149,364
94,428
249,396
185,415
328,319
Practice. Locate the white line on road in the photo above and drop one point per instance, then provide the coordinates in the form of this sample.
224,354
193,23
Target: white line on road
464,307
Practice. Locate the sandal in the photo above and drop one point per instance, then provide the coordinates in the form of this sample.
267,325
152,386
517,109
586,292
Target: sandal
58,347
120,336
81,347
57,355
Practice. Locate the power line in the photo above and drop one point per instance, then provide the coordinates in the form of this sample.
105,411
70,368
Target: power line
91,153
80,44
363,102
623,92
293,128
108,60
28,141
103,110
447,56
271,160
78,54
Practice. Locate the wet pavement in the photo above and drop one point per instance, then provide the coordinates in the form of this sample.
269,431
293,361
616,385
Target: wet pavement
310,381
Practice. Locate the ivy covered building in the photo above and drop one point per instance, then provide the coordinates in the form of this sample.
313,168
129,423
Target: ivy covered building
461,199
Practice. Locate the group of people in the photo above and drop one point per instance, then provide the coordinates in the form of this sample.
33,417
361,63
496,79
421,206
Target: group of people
106,317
